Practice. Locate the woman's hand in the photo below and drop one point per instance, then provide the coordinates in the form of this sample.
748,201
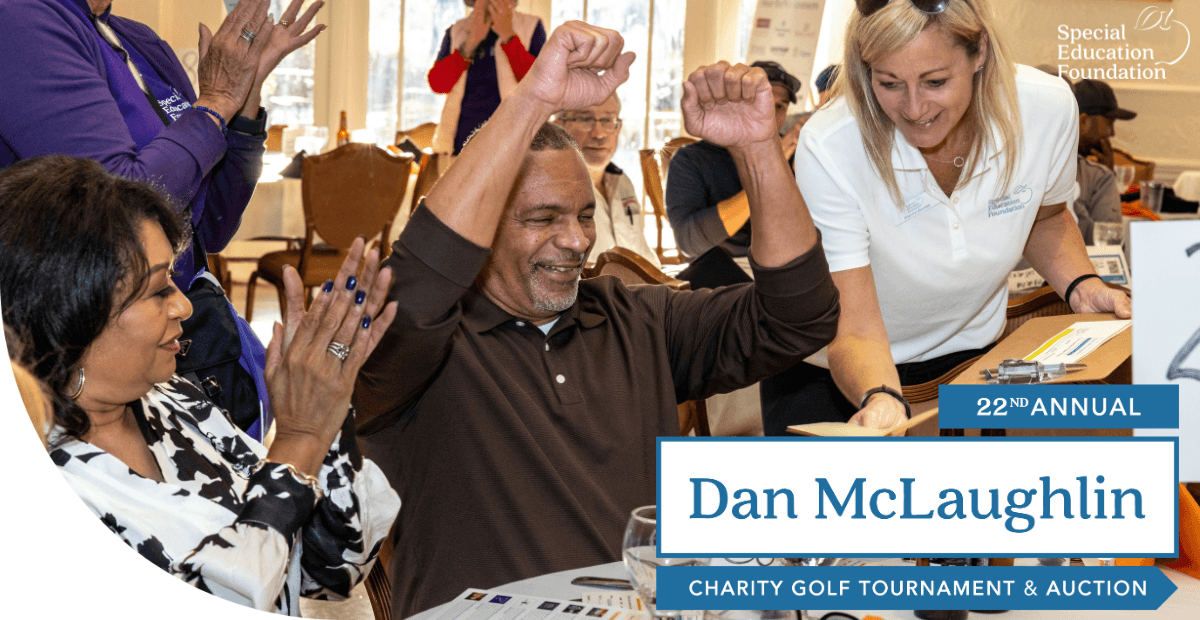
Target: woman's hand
283,38
481,24
309,383
881,411
1094,295
502,18
228,62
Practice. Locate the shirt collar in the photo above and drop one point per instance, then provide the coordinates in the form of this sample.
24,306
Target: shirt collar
481,315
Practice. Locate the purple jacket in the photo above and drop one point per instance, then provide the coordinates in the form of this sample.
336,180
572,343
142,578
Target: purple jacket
64,90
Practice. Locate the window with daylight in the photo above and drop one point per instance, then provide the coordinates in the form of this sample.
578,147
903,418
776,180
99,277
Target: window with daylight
287,93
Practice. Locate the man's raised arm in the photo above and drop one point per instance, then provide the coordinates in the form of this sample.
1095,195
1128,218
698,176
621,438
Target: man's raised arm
580,66
732,106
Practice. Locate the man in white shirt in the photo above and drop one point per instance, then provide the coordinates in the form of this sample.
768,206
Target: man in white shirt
619,218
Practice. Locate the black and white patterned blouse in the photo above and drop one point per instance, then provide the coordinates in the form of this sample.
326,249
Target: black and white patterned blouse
257,537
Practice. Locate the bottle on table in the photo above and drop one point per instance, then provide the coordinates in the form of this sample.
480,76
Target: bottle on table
343,134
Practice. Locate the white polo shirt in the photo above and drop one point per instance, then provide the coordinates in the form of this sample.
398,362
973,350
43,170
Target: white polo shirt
940,264
619,218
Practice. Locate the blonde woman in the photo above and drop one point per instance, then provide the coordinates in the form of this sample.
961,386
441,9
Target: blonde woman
937,165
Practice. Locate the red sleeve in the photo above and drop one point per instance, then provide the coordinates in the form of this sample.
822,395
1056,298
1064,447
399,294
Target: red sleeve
445,72
518,57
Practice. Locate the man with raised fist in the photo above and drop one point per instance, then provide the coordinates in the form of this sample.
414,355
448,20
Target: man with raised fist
515,407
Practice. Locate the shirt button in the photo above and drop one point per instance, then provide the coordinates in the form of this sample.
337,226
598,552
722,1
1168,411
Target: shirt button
520,323
955,201
956,226
561,379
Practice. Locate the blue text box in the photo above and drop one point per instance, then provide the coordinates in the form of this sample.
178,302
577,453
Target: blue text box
910,587
1058,406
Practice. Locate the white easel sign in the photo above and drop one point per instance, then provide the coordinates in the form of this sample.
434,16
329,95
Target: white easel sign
1166,324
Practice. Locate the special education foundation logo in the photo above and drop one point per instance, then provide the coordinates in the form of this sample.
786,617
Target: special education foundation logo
1144,50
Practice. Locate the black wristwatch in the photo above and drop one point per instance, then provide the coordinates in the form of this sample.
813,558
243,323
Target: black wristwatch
252,126
890,392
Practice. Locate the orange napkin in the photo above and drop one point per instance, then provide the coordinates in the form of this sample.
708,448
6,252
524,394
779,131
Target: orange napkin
1189,539
1189,535
1134,208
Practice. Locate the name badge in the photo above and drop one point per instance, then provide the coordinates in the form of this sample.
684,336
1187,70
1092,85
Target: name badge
915,205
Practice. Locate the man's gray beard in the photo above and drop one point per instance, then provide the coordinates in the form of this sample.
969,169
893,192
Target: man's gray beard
550,304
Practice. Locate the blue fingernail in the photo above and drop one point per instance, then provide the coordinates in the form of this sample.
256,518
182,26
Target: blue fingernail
328,286
366,322
351,283
359,297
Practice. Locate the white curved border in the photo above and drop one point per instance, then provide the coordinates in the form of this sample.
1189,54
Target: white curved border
60,561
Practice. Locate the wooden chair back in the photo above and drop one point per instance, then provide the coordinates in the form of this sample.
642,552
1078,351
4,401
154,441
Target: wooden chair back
275,138
672,145
353,190
630,268
655,164
421,135
378,583
1143,170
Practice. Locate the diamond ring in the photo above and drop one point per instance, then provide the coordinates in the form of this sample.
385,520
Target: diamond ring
248,35
339,350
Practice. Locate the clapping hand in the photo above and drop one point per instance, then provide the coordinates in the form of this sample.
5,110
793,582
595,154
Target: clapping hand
229,60
730,106
579,66
312,363
501,12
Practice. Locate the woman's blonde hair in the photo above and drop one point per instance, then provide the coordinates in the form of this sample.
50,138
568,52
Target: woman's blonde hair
994,104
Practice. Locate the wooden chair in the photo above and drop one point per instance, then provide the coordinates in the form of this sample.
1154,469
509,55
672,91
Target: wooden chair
219,266
655,164
630,268
275,138
353,190
378,583
421,135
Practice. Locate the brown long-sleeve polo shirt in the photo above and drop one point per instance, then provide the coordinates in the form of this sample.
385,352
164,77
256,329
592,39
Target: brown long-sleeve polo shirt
517,453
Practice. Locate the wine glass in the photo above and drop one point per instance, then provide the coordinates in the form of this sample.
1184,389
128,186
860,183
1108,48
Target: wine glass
1125,175
1108,233
642,561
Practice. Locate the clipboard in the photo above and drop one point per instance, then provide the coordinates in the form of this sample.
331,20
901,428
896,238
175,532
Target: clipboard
1110,363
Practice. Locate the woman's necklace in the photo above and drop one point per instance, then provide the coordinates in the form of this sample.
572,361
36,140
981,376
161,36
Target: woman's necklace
957,162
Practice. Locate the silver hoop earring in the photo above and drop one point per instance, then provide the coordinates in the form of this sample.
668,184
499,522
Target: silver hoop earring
79,386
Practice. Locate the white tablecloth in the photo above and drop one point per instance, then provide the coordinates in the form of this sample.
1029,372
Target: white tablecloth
275,210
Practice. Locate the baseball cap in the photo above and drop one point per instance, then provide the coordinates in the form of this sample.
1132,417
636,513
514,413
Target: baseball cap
776,74
1096,97
826,78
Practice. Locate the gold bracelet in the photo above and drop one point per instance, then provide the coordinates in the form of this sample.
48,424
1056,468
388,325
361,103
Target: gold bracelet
303,478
